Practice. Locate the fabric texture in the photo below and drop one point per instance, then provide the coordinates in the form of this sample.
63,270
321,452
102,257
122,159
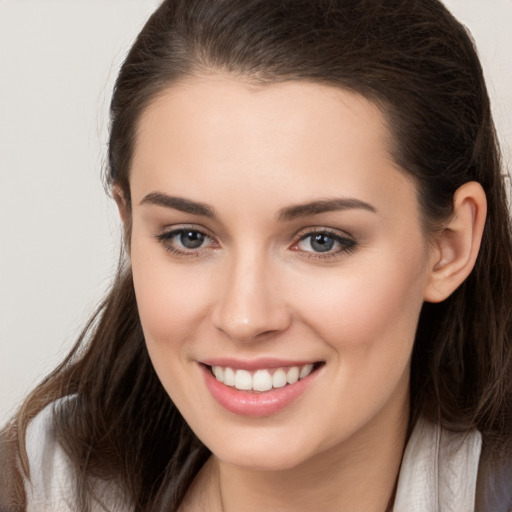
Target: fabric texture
439,472
51,487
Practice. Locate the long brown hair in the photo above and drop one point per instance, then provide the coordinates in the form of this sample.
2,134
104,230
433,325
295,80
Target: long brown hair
418,64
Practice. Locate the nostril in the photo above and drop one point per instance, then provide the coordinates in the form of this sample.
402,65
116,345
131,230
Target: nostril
249,330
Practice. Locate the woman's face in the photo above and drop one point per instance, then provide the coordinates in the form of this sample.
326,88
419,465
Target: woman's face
275,244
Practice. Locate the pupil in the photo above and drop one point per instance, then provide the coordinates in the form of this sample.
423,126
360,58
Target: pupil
322,243
191,239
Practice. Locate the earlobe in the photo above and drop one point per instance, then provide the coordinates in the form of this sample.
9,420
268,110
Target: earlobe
456,247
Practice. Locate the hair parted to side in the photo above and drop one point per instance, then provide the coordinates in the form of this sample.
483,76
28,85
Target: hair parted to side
418,64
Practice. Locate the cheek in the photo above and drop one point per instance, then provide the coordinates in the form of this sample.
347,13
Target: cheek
170,300
172,305
368,317
369,305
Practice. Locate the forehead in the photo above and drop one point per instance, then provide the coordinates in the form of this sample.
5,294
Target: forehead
211,107
294,138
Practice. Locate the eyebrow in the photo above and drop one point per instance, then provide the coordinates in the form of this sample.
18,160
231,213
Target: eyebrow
322,206
284,215
179,203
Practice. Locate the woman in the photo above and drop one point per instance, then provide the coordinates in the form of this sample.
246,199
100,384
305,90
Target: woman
313,311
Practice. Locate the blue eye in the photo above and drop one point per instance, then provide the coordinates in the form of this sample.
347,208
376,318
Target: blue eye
324,242
185,241
321,242
191,239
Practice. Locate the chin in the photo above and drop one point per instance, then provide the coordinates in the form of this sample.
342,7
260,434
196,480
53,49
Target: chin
258,452
263,461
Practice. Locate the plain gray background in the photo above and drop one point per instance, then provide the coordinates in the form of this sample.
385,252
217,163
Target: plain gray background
59,234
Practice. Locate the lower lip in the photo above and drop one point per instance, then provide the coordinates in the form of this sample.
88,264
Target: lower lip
250,403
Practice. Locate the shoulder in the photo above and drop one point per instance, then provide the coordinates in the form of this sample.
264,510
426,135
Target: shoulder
455,471
52,484
12,492
494,485
46,486
51,481
439,469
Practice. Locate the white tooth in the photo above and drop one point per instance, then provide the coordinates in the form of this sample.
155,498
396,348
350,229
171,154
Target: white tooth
279,378
243,380
218,372
229,377
262,381
292,375
305,371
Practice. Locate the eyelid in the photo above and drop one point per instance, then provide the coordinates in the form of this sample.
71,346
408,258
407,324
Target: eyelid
311,230
347,242
178,228
166,235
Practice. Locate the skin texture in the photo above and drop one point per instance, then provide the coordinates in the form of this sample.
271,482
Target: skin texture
256,287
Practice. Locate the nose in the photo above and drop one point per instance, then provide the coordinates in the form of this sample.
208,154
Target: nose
250,305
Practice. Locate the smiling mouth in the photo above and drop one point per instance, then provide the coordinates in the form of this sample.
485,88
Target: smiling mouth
263,379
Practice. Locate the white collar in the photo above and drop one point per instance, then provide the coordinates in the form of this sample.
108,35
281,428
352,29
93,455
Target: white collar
439,470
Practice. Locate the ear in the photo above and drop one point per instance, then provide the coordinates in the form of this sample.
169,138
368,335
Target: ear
455,249
122,204
124,208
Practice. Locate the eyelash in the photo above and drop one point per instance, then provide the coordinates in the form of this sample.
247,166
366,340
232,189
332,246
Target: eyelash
166,240
347,244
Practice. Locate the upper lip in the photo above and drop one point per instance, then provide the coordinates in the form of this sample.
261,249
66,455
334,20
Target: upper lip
256,364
